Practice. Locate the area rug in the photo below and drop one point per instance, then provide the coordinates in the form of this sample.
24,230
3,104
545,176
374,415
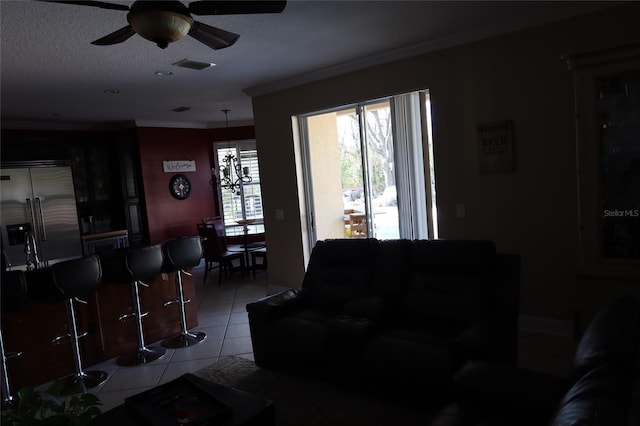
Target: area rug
302,401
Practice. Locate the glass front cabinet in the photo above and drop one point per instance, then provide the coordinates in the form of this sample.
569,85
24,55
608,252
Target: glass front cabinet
607,95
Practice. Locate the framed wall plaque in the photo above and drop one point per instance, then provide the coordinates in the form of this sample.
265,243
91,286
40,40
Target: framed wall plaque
496,147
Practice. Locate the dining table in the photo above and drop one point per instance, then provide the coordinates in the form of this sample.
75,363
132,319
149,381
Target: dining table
247,246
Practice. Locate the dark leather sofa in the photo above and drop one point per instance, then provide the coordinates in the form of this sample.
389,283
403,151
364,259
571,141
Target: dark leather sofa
392,315
603,388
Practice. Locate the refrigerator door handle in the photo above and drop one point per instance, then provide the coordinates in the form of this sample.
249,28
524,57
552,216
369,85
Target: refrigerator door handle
43,231
32,219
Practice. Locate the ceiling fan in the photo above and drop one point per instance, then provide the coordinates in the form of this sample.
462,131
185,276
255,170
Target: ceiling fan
164,22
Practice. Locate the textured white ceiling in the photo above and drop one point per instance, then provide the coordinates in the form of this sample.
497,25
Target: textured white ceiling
48,65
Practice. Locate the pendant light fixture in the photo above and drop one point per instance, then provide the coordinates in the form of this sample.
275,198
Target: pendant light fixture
232,174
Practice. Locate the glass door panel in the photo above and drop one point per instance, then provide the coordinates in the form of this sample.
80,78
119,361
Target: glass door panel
352,174
380,166
351,166
618,108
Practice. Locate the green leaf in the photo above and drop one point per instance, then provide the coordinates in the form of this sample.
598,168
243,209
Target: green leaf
50,409
56,388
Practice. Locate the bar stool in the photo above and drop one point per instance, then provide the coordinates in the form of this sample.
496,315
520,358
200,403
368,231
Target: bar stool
181,254
69,281
14,295
141,264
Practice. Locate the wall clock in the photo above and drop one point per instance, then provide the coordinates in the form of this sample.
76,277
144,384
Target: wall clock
179,186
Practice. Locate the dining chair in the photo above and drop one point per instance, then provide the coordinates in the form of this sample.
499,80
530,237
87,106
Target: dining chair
210,219
215,252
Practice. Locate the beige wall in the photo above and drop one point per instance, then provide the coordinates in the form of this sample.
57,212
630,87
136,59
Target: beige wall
531,211
326,175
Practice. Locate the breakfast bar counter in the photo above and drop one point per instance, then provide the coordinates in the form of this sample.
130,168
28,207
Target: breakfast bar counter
32,328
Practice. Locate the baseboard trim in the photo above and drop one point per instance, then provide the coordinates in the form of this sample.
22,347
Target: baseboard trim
535,324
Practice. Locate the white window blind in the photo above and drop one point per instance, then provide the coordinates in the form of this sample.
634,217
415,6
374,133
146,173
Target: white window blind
247,202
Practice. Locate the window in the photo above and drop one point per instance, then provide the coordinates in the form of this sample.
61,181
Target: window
364,170
245,201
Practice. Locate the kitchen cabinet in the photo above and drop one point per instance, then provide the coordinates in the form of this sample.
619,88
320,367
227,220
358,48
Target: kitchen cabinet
97,186
106,175
607,93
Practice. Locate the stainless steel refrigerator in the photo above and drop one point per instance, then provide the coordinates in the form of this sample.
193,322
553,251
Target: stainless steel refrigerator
38,216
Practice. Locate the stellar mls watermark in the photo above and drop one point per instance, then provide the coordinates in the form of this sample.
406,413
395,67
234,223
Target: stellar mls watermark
621,213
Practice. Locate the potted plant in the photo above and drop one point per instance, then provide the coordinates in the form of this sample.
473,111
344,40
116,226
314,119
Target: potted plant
50,408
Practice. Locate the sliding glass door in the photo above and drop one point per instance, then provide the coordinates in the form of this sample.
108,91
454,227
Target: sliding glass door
364,170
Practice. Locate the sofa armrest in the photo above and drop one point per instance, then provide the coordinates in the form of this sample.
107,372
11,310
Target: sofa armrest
262,313
493,390
275,305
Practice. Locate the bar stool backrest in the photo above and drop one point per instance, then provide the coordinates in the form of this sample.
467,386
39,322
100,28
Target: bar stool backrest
78,277
183,253
14,290
144,263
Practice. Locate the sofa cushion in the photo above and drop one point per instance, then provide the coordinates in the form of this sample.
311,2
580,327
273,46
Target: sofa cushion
417,362
298,342
612,337
339,271
372,307
392,271
452,281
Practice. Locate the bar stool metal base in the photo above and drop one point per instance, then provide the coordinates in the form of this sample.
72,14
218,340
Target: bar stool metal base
10,403
80,382
184,340
142,356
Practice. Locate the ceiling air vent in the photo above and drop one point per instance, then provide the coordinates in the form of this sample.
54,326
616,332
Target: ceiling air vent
194,65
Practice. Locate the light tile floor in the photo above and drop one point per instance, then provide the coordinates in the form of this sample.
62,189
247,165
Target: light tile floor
223,317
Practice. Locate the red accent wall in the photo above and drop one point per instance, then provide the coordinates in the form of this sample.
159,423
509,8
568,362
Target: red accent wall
168,217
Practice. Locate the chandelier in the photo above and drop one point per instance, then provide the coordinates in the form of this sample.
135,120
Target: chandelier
232,174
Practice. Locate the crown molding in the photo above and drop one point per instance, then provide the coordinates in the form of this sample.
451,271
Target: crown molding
65,125
120,125
413,50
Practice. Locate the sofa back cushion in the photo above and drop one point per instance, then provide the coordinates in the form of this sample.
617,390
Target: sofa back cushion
612,337
339,271
392,272
451,281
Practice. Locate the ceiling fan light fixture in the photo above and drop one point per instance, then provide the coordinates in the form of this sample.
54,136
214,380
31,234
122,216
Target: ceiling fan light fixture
160,26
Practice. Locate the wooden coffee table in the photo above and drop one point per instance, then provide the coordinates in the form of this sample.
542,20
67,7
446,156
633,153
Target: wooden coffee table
246,409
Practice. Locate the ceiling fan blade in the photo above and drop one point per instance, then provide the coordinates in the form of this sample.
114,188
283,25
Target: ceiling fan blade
115,37
213,37
239,7
100,4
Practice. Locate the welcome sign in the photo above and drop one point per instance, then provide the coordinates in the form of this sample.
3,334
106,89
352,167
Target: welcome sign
179,166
